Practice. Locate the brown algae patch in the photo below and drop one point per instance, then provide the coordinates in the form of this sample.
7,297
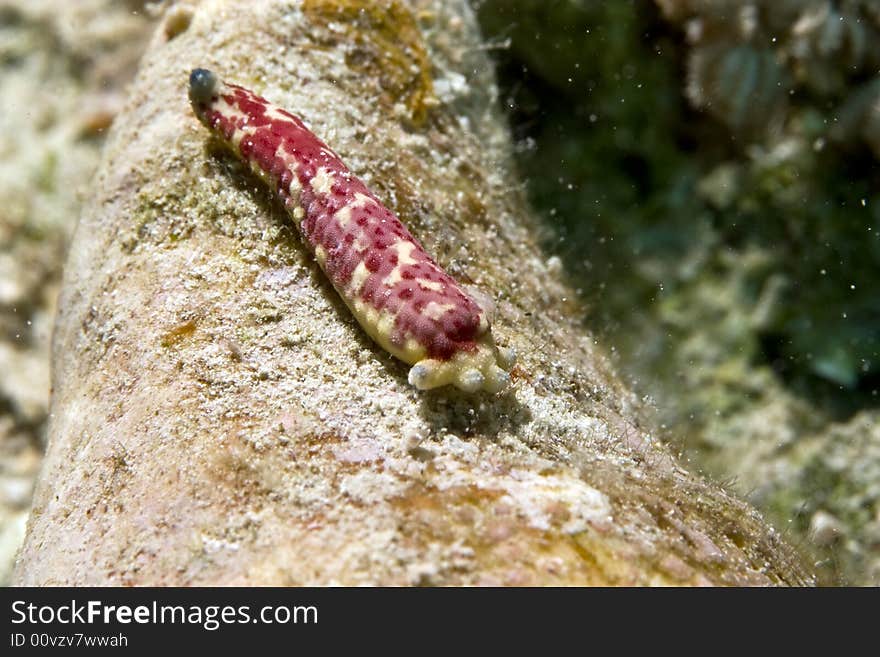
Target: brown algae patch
385,44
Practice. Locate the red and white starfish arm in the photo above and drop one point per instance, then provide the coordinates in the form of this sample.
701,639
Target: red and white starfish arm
397,293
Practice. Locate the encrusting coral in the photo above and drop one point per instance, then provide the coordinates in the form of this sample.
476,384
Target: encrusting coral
219,418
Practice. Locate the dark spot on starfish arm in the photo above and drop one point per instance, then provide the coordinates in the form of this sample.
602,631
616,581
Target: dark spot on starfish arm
202,84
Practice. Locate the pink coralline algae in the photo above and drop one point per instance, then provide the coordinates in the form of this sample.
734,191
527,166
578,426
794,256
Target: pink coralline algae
395,290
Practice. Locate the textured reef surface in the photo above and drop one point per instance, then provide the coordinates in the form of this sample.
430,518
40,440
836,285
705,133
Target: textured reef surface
218,416
706,170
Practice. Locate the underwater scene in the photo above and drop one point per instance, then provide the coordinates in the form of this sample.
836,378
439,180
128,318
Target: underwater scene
667,210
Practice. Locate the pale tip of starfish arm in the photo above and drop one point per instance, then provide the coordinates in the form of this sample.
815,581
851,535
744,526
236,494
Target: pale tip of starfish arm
467,371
